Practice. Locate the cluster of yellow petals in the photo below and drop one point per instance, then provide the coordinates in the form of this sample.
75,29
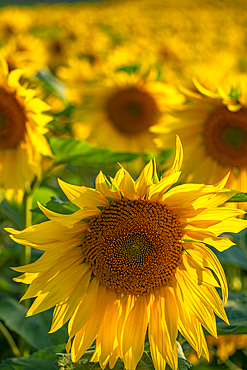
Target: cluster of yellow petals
22,129
119,322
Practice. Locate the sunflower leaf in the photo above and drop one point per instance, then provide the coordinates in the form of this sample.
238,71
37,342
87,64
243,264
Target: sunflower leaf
52,83
236,310
69,150
40,360
239,197
59,206
32,329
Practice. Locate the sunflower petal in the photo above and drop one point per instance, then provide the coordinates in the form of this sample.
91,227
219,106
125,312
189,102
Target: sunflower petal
83,196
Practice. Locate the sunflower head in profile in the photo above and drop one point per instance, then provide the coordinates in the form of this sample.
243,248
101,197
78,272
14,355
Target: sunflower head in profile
214,126
133,256
22,140
124,111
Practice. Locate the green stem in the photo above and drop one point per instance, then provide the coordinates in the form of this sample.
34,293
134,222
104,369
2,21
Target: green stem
25,257
10,340
231,365
226,361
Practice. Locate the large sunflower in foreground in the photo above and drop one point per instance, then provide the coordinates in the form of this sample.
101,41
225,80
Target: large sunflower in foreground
124,110
214,127
134,256
22,130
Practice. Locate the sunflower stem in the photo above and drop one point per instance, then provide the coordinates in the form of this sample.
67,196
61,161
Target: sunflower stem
25,257
10,340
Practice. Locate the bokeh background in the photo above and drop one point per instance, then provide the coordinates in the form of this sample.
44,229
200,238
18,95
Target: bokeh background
68,47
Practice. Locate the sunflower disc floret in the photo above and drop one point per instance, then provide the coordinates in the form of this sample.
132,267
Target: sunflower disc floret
134,246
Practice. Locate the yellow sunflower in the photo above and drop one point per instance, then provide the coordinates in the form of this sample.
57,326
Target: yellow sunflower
227,345
22,130
213,130
124,110
133,256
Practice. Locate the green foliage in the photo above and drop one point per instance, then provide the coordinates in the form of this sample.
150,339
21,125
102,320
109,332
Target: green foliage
59,206
239,197
32,329
237,314
80,153
40,360
51,83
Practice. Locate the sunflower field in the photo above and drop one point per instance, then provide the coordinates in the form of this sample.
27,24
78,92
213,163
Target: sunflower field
123,185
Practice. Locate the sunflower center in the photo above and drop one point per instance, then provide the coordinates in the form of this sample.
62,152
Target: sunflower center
12,120
225,136
132,111
134,246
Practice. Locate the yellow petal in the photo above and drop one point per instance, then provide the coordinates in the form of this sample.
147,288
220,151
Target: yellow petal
103,188
134,334
107,335
46,232
14,76
144,180
85,337
70,220
26,278
84,309
159,336
83,196
156,191
209,259
200,275
203,90
207,237
118,177
57,290
127,186
189,327
215,215
65,309
194,304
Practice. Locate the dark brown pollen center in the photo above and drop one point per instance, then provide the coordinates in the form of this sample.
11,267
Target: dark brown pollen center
132,110
225,136
12,120
134,246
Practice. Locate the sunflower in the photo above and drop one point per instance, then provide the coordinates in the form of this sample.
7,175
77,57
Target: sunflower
123,111
133,256
214,126
227,345
22,132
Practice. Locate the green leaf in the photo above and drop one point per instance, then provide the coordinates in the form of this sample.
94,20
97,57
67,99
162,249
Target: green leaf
130,69
232,256
43,194
40,360
237,314
69,150
235,93
161,158
239,197
236,310
27,363
59,206
52,83
32,329
11,211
